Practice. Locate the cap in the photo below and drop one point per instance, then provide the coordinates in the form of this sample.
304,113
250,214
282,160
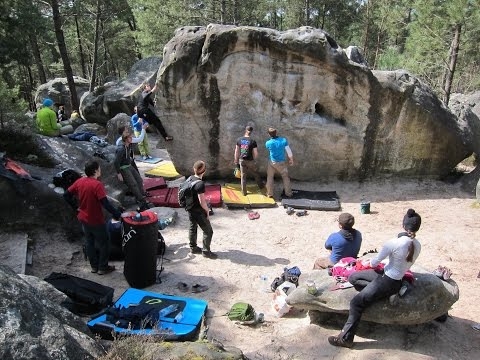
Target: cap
346,220
47,102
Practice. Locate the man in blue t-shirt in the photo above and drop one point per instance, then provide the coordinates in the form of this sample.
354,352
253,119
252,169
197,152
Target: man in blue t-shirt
279,151
344,243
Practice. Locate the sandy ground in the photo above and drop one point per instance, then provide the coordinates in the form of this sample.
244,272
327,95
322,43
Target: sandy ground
249,249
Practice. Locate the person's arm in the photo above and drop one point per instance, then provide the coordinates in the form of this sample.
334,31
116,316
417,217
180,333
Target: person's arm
255,153
139,139
237,154
289,154
53,120
118,160
109,207
384,252
329,243
203,203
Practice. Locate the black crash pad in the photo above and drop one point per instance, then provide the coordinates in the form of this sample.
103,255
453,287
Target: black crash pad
312,200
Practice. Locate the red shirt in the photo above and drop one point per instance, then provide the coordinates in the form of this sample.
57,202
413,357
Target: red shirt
89,191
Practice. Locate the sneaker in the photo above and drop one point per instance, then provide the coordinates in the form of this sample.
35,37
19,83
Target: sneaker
94,270
149,157
168,138
196,250
144,157
108,270
338,341
209,255
403,289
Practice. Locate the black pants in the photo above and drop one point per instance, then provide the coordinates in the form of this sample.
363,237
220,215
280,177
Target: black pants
199,217
379,288
153,119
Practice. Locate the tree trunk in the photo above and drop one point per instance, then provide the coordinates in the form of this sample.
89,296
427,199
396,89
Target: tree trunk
307,12
57,23
223,12
80,49
38,58
367,29
95,48
450,70
236,20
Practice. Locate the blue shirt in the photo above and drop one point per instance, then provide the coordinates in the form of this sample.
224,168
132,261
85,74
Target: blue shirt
276,147
342,247
136,124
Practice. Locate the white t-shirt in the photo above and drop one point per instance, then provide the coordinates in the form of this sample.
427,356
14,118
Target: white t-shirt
397,250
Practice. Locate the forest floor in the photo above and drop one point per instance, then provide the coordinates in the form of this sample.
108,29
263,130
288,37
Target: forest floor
250,249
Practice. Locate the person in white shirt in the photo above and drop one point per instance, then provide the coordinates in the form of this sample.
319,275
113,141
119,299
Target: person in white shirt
402,252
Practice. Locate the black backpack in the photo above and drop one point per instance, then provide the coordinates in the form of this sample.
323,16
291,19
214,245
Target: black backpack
85,297
185,193
66,178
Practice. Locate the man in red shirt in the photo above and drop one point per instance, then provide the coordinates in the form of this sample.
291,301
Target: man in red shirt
91,196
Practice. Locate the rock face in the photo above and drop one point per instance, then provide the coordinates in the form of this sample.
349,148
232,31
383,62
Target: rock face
118,97
342,120
427,299
467,109
34,327
57,90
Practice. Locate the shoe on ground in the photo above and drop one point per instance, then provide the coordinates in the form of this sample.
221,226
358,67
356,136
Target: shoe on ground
338,341
196,250
209,255
94,270
290,210
149,157
109,269
144,157
168,138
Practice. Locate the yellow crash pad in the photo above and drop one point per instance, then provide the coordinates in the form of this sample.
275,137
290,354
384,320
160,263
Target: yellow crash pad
232,197
166,170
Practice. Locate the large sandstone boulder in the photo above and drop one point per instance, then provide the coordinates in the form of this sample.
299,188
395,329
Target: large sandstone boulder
467,108
113,98
342,120
57,90
34,327
426,300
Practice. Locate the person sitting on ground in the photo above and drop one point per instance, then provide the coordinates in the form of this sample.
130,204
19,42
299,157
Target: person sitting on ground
246,152
144,111
61,116
127,170
344,243
135,140
137,125
402,252
91,196
47,121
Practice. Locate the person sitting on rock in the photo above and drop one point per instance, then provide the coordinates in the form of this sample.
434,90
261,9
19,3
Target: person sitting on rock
127,170
47,121
344,243
402,252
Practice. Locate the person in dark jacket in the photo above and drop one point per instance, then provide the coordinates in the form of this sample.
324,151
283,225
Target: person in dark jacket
127,170
144,111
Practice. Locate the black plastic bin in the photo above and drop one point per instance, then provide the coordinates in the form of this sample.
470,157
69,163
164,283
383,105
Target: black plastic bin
139,244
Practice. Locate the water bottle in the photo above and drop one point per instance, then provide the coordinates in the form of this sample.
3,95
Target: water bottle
178,317
264,286
168,310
